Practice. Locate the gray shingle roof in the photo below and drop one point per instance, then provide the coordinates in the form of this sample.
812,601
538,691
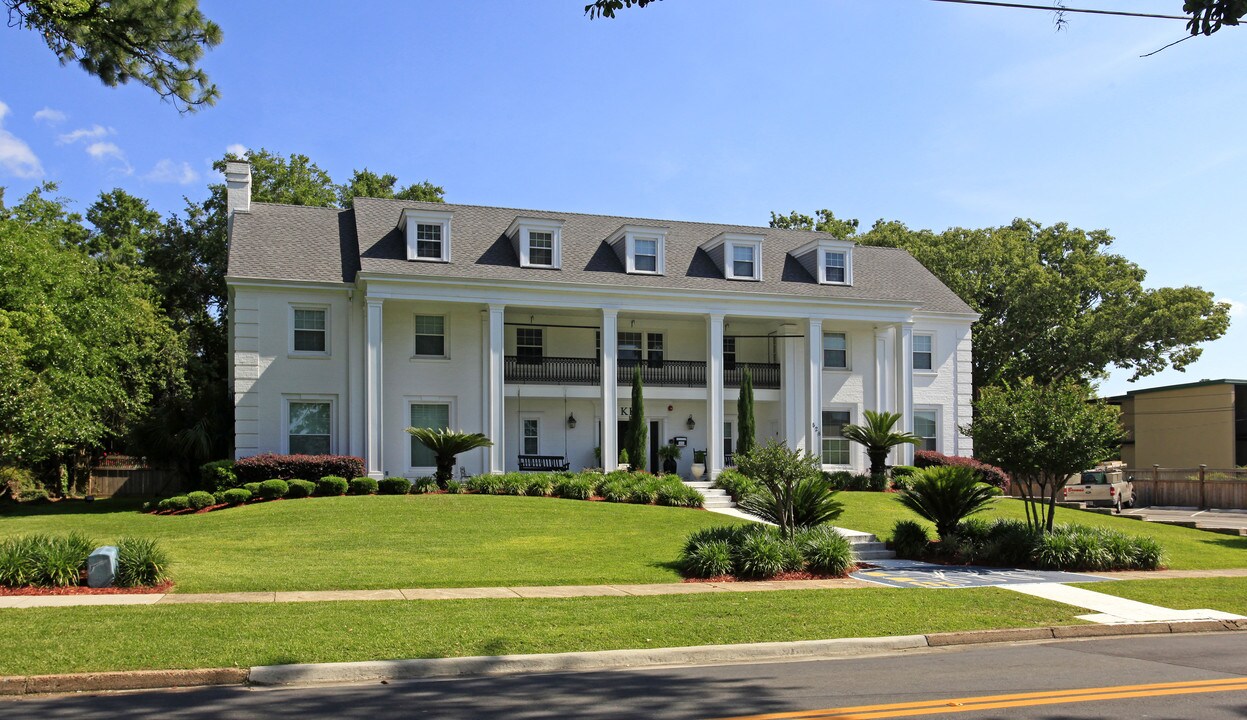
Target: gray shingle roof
285,242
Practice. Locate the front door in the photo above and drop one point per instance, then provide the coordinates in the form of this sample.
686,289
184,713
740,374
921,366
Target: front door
655,463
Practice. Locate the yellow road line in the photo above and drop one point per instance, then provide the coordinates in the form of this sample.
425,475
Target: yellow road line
994,702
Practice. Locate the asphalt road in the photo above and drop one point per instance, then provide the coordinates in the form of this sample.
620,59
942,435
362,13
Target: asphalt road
934,682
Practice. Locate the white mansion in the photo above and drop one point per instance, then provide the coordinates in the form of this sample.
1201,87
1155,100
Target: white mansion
348,326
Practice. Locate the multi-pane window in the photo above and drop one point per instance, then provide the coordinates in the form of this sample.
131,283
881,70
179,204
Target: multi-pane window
834,267
923,359
925,427
743,261
729,353
310,332
429,241
540,248
835,445
308,426
645,255
629,347
654,349
430,336
835,351
532,436
528,344
427,415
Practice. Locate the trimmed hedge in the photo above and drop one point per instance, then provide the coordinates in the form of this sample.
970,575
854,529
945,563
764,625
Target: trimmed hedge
258,468
300,488
217,475
199,500
989,474
273,489
362,486
331,485
253,488
177,502
394,486
236,496
859,482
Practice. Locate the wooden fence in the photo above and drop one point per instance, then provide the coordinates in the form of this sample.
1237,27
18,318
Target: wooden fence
133,482
1200,487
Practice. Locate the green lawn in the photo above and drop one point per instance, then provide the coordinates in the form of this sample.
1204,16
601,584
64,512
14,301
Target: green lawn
406,541
1185,548
1225,594
57,640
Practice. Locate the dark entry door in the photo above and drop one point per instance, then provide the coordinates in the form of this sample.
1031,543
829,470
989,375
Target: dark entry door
655,464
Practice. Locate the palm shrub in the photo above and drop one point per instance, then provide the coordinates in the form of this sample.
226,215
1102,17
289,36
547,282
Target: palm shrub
879,437
447,445
812,504
945,496
909,539
780,470
141,562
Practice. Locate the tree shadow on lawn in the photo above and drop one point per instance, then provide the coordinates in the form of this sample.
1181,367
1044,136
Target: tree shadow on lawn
669,693
70,507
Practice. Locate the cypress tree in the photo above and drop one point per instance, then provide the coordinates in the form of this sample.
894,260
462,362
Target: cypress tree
744,414
636,435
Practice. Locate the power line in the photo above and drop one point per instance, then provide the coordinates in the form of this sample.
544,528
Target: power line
1060,9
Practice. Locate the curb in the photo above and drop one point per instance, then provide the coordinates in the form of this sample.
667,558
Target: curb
350,672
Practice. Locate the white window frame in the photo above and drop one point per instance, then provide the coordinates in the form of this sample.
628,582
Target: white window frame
848,352
290,323
818,251
624,242
931,352
451,421
287,399
415,353
852,411
729,259
659,253
520,232
541,332
524,418
413,219
937,411
640,346
843,267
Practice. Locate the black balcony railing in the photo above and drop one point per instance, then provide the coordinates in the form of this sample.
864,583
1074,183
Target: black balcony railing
665,373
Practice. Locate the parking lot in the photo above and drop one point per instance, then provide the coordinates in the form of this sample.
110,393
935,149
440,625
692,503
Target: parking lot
1233,522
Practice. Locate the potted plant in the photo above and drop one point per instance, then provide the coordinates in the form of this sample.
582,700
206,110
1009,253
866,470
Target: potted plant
669,454
623,461
699,464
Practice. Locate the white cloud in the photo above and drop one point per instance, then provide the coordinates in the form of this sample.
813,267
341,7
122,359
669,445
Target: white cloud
109,151
95,132
50,116
16,157
1238,308
236,149
168,171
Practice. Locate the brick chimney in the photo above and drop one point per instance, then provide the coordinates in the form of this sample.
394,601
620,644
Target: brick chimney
237,187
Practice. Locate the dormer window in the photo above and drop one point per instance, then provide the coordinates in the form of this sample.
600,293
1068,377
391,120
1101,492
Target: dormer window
642,250
738,255
428,235
538,242
829,260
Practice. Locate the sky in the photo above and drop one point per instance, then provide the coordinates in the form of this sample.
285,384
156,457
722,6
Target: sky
934,114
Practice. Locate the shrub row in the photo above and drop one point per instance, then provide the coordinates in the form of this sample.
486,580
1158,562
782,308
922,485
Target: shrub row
845,480
1009,542
258,468
989,474
757,551
59,561
618,486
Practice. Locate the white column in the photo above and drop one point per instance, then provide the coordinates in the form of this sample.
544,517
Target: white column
792,380
494,388
905,386
714,395
610,389
373,392
814,386
882,401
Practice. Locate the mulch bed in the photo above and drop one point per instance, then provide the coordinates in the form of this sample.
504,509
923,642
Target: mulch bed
84,590
801,575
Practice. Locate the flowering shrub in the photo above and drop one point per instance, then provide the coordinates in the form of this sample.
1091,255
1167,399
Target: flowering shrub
989,474
258,468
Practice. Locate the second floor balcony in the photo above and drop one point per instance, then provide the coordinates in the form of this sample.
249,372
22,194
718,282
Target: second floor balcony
660,373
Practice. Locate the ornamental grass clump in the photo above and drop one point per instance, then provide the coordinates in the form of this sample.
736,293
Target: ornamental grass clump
485,484
574,488
141,562
825,551
425,485
44,560
910,539
756,551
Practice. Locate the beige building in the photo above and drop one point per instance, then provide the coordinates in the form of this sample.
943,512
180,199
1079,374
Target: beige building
1184,426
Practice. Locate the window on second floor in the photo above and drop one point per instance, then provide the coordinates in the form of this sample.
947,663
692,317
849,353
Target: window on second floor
654,349
629,348
428,235
835,265
541,248
529,345
923,353
645,255
310,330
431,336
429,241
729,352
744,261
835,351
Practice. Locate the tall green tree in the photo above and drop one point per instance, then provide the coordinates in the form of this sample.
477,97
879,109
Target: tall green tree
84,346
1055,302
744,414
157,43
637,434
290,180
1041,434
123,227
366,183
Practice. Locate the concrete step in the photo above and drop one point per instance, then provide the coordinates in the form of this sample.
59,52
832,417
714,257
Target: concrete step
718,503
699,485
874,555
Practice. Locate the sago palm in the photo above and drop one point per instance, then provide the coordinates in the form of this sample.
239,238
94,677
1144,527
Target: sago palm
946,495
878,437
446,445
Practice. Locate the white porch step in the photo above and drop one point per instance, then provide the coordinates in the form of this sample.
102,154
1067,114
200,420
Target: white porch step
866,546
715,497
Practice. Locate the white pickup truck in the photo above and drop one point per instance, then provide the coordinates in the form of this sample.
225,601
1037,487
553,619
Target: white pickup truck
1107,484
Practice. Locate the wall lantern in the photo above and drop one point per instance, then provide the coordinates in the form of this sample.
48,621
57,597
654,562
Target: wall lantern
690,424
571,421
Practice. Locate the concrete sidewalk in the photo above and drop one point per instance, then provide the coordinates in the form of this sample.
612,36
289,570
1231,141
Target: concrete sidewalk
539,591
